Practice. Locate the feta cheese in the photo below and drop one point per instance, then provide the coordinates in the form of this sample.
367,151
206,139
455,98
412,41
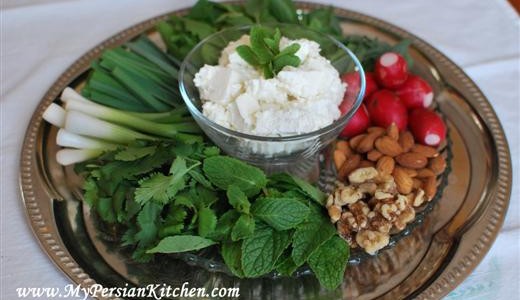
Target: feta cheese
297,100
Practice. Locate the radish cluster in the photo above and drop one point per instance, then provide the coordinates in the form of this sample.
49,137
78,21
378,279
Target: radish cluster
393,95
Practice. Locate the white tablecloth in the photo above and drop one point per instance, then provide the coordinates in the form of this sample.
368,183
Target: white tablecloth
40,39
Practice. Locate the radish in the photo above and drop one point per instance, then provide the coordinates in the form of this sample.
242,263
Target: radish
371,84
357,124
385,108
353,84
391,70
427,127
415,92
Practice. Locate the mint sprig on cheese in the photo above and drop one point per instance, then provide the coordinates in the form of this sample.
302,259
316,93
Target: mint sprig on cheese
264,53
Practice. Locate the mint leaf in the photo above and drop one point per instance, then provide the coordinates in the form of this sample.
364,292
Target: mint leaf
284,11
247,54
224,171
291,49
280,213
329,261
310,235
244,227
311,191
238,199
232,254
285,60
207,221
181,243
287,266
264,53
261,250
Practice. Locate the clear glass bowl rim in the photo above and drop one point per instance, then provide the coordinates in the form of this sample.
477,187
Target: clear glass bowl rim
341,122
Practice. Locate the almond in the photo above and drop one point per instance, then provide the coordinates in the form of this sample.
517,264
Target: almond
410,172
424,173
406,141
388,146
376,129
348,166
430,187
412,160
403,181
374,155
437,164
339,158
366,164
385,165
366,144
425,150
344,147
393,132
417,184
354,142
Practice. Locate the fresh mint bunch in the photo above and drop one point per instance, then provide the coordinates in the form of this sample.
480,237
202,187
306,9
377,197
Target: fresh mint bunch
264,52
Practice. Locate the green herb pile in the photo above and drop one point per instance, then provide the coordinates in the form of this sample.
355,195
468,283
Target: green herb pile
174,197
179,194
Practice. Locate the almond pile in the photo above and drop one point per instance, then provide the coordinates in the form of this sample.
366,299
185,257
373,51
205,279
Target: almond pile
412,165
384,172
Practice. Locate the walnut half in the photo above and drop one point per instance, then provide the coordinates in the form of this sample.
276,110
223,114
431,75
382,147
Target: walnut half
372,241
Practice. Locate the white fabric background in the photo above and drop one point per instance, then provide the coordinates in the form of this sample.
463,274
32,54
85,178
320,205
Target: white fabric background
40,39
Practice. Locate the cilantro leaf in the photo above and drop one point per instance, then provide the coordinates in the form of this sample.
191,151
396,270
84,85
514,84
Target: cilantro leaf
148,220
207,221
133,153
224,225
161,188
157,187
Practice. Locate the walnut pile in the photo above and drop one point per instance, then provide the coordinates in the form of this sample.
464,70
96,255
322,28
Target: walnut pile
382,177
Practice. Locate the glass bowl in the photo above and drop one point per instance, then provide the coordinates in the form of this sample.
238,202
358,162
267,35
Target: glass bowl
297,154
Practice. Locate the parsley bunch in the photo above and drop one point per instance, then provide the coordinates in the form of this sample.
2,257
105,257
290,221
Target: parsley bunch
264,52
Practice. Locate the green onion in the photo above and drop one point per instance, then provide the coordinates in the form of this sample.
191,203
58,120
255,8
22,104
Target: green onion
71,140
67,157
83,124
55,115
74,101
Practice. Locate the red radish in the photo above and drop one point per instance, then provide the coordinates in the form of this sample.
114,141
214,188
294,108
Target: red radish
385,108
415,92
371,84
391,70
427,127
357,124
353,84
